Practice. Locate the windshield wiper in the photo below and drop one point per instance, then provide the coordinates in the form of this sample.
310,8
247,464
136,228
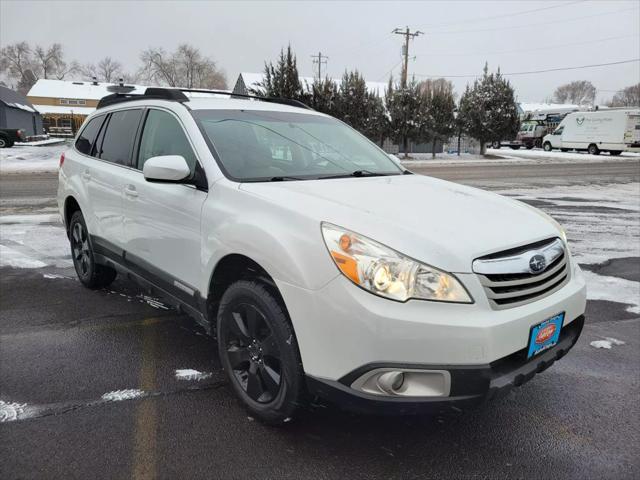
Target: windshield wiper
358,173
285,178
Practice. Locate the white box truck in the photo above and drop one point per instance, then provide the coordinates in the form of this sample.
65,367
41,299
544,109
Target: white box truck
612,130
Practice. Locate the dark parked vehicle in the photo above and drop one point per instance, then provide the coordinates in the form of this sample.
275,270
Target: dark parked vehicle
9,136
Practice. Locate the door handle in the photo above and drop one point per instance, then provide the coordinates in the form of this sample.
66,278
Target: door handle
130,191
86,175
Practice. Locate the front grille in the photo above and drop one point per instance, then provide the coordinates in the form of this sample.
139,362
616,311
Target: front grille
508,281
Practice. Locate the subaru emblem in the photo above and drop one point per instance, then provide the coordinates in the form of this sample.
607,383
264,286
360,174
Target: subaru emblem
537,263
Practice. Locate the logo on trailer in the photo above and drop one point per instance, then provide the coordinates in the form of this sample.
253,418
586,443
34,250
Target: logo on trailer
545,333
579,120
537,263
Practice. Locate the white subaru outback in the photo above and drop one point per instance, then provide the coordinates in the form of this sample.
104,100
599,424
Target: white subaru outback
322,266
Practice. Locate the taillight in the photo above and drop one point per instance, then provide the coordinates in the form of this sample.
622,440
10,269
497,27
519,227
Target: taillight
61,160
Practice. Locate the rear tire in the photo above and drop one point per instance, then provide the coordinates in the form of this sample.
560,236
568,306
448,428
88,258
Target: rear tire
547,147
593,149
515,147
259,352
615,153
5,142
529,146
90,274
564,149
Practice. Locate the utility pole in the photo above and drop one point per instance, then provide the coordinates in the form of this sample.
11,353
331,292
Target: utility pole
408,35
319,60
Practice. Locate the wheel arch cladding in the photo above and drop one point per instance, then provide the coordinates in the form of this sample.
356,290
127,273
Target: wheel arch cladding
71,205
234,267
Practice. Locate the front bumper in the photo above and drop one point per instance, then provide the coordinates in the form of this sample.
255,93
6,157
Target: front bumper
341,327
470,384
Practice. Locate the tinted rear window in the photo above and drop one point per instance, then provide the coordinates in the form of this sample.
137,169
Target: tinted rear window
119,137
85,141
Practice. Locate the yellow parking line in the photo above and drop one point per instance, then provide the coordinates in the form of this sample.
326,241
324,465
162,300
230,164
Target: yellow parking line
144,448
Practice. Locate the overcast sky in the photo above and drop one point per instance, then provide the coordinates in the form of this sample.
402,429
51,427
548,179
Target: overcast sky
459,36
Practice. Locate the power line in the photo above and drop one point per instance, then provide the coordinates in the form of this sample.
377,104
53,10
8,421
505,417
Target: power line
549,47
408,35
505,15
534,71
390,70
517,27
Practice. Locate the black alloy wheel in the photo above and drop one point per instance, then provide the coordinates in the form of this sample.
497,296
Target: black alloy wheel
253,353
259,351
90,274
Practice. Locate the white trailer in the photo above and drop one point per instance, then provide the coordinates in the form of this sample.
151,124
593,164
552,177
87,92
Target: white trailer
612,130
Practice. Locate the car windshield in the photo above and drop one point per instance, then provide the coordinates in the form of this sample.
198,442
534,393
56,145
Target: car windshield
254,145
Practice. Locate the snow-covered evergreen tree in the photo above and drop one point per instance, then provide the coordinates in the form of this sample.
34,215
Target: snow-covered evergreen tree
376,122
353,100
405,111
438,104
488,110
325,97
282,79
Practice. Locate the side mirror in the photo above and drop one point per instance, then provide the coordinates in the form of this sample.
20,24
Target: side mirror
166,168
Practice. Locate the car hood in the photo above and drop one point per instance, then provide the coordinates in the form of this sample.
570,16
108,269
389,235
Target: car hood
444,224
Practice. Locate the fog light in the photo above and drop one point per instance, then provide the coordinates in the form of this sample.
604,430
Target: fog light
391,382
404,383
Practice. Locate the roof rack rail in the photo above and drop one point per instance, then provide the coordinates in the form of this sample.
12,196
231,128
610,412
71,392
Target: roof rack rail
177,95
150,93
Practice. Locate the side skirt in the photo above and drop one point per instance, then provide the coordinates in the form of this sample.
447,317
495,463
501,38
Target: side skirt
184,297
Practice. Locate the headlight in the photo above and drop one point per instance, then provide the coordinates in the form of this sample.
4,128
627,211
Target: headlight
387,273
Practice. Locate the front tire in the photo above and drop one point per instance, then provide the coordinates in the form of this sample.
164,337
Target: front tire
547,147
495,144
259,352
90,274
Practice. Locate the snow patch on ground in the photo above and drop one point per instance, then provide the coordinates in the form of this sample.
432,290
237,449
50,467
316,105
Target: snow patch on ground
55,276
607,343
11,411
31,159
33,241
190,374
595,234
153,302
613,289
119,395
31,219
509,157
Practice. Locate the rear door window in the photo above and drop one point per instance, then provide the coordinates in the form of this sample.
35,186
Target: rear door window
120,136
163,135
87,138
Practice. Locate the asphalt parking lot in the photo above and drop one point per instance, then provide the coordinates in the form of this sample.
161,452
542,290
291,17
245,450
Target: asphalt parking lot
115,384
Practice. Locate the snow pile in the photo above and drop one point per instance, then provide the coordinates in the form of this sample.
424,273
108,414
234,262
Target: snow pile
607,343
31,159
190,374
